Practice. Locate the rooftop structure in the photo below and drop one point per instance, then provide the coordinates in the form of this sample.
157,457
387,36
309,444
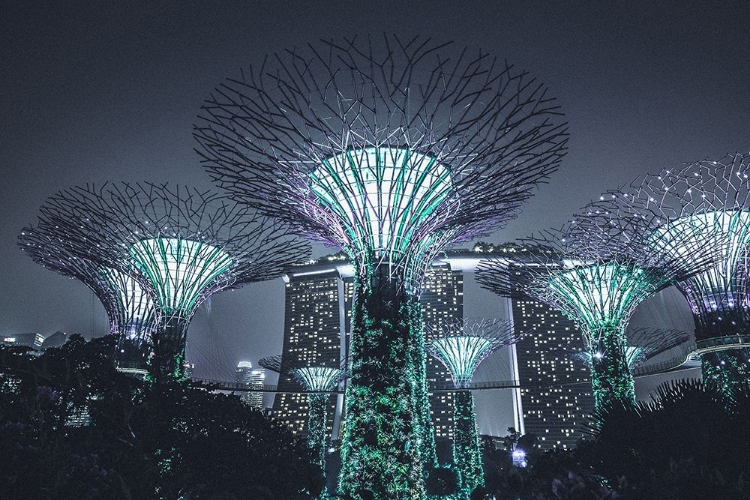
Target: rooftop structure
178,243
389,149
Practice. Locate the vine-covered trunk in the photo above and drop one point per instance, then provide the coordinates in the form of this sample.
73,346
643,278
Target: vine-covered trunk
316,426
611,379
421,391
168,345
466,455
380,443
728,370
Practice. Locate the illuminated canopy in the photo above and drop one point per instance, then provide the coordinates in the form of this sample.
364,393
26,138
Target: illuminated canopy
723,285
317,378
381,195
179,244
179,270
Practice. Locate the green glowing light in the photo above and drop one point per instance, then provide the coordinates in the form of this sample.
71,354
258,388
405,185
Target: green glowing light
179,270
721,285
135,309
461,355
317,378
381,195
600,294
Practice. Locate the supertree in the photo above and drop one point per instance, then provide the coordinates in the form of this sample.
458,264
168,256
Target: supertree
389,149
705,204
319,381
597,276
131,312
180,244
642,344
461,345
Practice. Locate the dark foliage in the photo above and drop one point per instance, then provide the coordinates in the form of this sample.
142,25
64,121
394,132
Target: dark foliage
689,443
135,441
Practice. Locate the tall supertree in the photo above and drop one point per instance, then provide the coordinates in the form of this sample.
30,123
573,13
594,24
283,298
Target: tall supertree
597,276
642,344
180,244
389,149
130,309
461,346
705,204
319,381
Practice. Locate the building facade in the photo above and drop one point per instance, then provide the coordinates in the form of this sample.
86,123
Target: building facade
317,323
253,378
556,398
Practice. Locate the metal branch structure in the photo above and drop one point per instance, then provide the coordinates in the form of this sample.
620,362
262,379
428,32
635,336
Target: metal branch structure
179,244
389,149
642,344
319,381
130,309
461,346
596,274
705,204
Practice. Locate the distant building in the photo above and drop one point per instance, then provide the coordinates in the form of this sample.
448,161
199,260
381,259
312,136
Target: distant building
556,398
253,378
35,340
317,330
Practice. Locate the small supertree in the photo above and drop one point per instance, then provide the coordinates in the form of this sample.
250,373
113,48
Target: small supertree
461,346
389,149
596,277
319,381
130,309
642,344
180,244
707,205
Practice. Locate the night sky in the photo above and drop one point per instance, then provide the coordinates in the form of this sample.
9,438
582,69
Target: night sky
91,93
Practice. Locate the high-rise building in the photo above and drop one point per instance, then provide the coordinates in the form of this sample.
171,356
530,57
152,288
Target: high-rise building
556,398
317,328
316,323
254,378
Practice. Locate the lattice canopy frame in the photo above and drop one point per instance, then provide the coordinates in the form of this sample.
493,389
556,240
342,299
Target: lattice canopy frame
596,274
130,309
705,204
180,244
461,345
390,149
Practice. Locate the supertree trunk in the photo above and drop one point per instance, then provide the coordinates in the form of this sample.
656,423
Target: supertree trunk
316,425
168,344
611,379
381,432
466,455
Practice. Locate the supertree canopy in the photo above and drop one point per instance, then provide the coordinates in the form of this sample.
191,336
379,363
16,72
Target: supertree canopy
180,245
461,346
596,274
389,149
129,307
319,381
642,344
703,205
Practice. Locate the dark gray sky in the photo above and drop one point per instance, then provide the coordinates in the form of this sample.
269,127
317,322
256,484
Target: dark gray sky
110,90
